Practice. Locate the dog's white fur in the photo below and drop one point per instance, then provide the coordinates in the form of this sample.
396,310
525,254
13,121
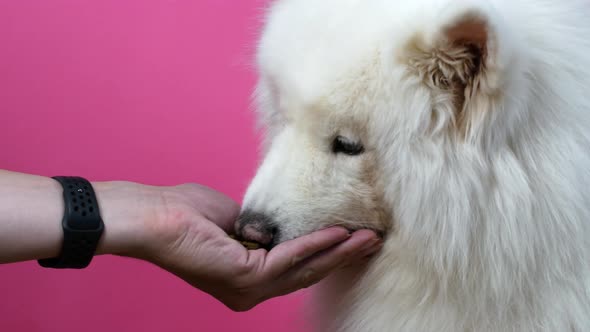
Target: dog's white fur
485,202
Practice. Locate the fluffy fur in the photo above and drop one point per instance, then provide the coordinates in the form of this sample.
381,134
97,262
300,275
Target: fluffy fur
475,119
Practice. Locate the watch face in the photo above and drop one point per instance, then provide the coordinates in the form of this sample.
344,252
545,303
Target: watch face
81,206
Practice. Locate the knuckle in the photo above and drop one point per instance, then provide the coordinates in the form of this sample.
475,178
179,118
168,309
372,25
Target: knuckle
310,245
309,278
296,259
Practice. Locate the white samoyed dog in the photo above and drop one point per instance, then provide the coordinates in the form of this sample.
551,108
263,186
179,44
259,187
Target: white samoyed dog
458,128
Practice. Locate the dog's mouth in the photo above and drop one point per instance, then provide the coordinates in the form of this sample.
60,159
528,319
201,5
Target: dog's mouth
255,230
255,245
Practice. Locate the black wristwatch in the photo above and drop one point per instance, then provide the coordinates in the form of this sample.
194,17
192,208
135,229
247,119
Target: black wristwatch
82,225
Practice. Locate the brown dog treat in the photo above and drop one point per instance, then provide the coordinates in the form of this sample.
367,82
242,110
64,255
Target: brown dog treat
247,244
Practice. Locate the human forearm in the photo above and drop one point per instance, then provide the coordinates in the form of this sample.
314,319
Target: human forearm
32,207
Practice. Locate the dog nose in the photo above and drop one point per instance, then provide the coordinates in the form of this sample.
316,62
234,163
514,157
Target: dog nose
256,227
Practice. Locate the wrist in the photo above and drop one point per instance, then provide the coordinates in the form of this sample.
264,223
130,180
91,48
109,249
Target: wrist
126,209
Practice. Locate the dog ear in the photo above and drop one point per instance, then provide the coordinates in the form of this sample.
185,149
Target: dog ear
453,64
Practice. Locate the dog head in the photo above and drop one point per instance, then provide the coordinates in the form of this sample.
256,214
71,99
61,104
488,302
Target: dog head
349,97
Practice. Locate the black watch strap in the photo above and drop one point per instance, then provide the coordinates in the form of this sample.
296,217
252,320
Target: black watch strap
82,225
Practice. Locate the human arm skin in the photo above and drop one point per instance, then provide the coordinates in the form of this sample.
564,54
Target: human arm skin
183,229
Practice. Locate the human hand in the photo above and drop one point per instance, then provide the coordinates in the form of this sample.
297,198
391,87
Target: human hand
184,230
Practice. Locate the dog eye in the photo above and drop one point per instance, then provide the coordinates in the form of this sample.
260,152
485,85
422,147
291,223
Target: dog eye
344,145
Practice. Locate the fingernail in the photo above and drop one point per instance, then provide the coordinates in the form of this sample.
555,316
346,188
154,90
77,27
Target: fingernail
372,249
342,232
371,243
348,233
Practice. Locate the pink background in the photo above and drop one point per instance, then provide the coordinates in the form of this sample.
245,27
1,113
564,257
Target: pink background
151,91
